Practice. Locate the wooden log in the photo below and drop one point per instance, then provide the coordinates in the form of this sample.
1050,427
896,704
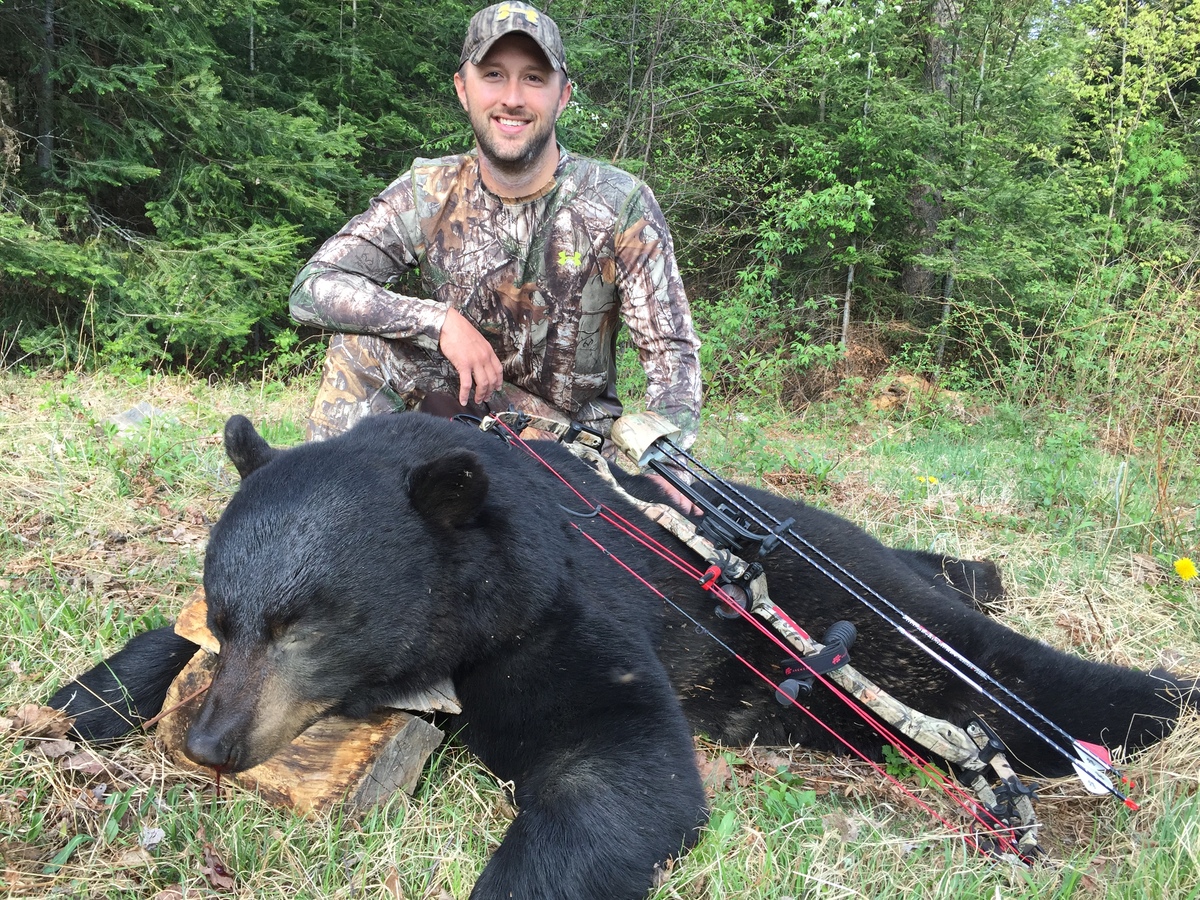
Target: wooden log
192,623
358,762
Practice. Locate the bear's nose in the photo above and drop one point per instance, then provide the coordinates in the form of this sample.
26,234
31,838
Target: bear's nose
207,748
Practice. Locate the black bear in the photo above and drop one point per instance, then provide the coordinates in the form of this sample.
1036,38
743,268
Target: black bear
412,549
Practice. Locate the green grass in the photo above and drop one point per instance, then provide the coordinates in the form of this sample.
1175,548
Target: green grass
103,536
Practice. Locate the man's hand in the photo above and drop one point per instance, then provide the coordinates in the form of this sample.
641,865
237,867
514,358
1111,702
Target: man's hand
472,357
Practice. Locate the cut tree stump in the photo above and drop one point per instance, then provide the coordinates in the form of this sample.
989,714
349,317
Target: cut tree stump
358,762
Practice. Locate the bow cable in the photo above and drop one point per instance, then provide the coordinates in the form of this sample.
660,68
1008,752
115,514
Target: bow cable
1003,834
757,514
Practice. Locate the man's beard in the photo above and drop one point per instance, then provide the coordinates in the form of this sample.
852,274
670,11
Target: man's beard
511,160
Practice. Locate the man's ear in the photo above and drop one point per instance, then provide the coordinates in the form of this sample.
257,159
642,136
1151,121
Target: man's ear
449,491
565,97
460,85
245,447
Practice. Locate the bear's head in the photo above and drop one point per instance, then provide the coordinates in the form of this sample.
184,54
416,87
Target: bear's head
327,580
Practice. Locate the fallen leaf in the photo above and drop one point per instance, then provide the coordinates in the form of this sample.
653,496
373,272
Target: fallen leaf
32,720
16,798
744,775
715,773
845,826
662,872
1145,569
174,892
85,761
183,534
215,871
391,884
1080,631
773,762
54,749
22,851
134,858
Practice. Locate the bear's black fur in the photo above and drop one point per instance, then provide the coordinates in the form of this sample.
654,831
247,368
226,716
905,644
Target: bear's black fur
127,688
410,550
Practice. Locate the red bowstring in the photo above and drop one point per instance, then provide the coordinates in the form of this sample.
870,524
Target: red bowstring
968,806
954,792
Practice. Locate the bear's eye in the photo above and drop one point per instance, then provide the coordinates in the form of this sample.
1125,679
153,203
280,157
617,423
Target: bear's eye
280,630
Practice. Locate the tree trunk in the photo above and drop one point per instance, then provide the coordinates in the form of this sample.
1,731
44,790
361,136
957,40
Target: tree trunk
948,292
926,199
846,308
45,96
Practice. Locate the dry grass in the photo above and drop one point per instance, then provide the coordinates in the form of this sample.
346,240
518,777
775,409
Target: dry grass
103,535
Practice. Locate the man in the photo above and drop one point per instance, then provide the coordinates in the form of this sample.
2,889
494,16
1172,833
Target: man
530,258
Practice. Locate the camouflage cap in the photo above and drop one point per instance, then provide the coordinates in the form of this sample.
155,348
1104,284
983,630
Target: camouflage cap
489,25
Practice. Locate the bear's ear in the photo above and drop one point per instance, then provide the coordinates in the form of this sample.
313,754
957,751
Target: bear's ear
449,490
245,447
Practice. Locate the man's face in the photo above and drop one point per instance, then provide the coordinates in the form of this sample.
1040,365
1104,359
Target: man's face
513,98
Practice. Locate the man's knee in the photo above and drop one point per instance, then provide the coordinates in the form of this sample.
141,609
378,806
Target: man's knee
354,385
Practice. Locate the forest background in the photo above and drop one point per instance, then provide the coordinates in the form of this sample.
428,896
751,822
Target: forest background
994,193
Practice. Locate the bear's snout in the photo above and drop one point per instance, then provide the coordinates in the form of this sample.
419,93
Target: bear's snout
252,710
218,736
210,748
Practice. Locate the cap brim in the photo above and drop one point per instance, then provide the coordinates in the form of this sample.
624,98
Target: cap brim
484,46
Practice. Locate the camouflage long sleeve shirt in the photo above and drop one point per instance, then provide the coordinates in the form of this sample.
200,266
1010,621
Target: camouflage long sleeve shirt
546,279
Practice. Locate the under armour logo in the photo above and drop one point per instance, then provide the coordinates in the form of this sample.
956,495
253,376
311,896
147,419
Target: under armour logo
570,259
507,9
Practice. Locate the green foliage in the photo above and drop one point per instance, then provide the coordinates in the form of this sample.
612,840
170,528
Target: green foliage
754,345
199,154
896,765
792,142
1133,122
784,796
1053,479
1035,160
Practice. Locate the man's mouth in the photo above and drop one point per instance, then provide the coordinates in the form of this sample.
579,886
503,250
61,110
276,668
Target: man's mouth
506,122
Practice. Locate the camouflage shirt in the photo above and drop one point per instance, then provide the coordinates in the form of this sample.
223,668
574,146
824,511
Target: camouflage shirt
546,279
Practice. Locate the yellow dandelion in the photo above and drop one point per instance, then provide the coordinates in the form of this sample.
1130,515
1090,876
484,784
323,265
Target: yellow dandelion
1186,569
927,479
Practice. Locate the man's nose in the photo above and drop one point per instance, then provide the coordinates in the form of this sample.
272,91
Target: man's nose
514,94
